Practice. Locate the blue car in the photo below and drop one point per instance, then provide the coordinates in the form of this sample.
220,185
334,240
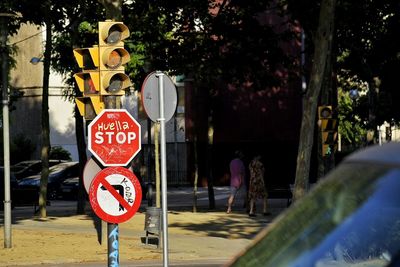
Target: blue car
350,218
58,174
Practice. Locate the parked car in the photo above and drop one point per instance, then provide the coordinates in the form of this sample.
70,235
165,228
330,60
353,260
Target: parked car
58,174
69,188
350,218
30,167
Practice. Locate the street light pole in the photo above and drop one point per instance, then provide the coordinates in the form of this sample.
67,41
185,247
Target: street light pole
6,129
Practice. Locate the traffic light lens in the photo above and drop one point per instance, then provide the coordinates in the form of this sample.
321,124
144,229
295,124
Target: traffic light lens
115,84
114,59
326,113
114,35
89,87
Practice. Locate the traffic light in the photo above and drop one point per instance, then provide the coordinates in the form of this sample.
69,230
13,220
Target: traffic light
88,82
328,126
325,112
113,57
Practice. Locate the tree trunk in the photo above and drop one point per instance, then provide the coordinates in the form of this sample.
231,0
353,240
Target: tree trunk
45,123
196,174
322,43
210,178
79,135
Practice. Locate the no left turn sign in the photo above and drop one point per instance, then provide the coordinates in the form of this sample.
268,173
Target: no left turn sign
115,194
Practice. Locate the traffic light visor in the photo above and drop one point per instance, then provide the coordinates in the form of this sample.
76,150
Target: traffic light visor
325,112
115,58
112,33
87,58
89,106
88,82
328,124
115,82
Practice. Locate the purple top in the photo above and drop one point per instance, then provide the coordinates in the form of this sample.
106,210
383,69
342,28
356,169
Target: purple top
237,172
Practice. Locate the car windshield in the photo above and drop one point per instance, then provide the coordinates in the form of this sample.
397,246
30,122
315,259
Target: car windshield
351,219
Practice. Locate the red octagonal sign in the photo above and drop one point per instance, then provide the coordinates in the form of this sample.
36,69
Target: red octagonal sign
114,137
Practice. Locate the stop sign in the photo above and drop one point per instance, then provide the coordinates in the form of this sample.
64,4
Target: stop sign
114,137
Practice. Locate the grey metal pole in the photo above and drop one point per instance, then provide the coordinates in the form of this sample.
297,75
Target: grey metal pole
6,131
113,244
112,102
160,76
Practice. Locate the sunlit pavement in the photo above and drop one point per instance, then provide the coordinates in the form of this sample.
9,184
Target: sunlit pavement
179,199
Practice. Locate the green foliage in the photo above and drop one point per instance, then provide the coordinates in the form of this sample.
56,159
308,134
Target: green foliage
352,126
183,37
57,152
371,44
367,49
179,37
230,45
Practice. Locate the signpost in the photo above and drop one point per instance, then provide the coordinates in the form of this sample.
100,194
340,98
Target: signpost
4,17
151,96
160,101
114,137
115,193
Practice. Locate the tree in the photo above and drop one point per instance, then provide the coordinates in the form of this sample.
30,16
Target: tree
45,151
217,44
46,15
323,40
365,56
61,17
78,31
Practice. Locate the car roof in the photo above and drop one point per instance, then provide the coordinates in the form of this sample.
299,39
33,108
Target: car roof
388,153
26,162
66,164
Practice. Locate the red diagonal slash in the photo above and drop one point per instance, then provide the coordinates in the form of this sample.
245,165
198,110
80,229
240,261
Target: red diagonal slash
114,192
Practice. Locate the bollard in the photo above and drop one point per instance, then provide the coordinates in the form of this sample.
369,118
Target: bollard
152,224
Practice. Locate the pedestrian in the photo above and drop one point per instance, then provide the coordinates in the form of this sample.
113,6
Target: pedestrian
237,170
257,189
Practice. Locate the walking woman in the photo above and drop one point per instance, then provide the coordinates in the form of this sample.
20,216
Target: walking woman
257,188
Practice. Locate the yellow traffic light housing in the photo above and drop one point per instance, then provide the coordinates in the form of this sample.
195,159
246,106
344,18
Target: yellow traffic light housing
112,33
325,112
90,106
328,127
87,58
88,82
113,57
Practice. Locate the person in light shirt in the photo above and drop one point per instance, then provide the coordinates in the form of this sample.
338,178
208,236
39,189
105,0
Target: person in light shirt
238,172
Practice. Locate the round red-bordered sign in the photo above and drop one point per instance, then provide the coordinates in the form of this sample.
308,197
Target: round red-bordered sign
115,194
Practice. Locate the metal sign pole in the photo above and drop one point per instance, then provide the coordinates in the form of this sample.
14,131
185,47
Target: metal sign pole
6,130
160,76
113,244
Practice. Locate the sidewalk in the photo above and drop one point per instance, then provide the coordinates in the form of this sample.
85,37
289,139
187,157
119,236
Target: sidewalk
65,239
